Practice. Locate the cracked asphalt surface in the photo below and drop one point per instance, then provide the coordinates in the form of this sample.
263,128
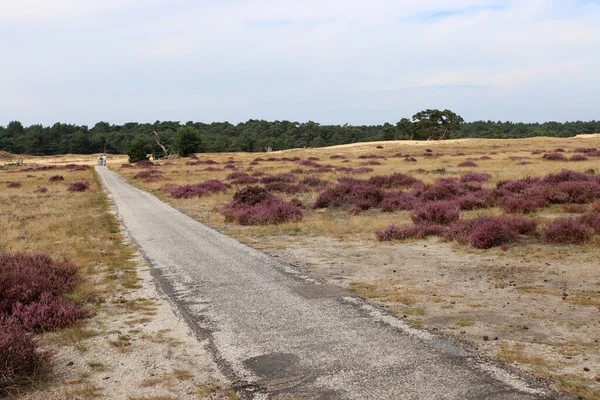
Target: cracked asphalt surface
278,334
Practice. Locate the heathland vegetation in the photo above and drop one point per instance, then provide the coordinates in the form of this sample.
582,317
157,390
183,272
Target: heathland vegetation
516,223
517,206
257,135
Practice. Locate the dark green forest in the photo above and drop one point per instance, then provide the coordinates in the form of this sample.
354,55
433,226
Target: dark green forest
251,136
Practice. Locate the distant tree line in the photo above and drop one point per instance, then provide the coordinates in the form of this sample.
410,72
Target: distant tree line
258,135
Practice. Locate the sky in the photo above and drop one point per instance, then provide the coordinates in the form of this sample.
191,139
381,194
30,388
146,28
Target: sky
328,61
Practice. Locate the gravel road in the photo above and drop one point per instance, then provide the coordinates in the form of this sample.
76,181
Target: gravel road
278,334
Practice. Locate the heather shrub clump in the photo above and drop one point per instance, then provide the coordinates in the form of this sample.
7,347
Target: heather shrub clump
78,187
288,188
394,201
313,181
24,278
20,358
14,185
76,167
437,213
244,179
467,164
492,232
197,190
566,231
41,189
578,157
148,175
348,194
487,232
475,177
554,157
254,205
393,232
56,178
48,313
31,286
591,219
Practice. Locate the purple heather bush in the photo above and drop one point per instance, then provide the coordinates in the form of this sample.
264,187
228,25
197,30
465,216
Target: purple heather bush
20,357
559,150
475,177
420,231
586,150
244,179
127,166
313,181
578,157
467,164
41,189
554,157
486,232
485,158
56,178
492,233
435,213
337,157
443,189
78,187
196,190
591,219
472,201
538,151
46,314
283,187
523,205
76,167
565,175
148,175
145,164
368,156
235,175
255,205
396,180
25,277
379,146
567,231
371,162
355,171
349,193
14,185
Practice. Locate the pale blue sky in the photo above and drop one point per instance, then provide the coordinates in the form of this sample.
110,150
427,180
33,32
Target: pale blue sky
330,61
